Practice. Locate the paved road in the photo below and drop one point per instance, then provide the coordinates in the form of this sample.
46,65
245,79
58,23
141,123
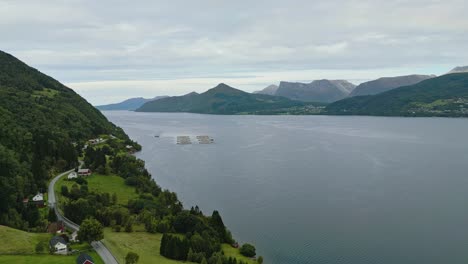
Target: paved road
100,248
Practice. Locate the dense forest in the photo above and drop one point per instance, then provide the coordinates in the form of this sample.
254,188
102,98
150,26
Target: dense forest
445,96
40,120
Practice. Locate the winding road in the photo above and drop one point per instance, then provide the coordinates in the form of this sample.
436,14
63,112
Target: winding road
100,248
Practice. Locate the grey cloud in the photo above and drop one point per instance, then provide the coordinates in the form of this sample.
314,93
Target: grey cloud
86,41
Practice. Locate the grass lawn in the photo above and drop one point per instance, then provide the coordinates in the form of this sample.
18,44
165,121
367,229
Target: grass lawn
23,245
20,242
102,184
229,251
112,184
45,259
146,245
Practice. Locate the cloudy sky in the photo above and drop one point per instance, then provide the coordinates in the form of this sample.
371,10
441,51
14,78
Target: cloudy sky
111,50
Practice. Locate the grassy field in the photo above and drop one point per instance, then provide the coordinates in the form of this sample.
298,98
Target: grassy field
146,245
229,251
102,183
20,242
20,248
112,184
45,259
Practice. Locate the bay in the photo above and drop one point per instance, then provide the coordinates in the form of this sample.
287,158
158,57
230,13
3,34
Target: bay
319,189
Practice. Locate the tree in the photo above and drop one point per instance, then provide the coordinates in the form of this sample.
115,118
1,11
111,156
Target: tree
247,250
218,225
114,198
64,190
90,230
131,258
204,261
190,255
40,247
260,260
129,227
52,217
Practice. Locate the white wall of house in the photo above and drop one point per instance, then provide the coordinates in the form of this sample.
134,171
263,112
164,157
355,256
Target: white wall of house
59,247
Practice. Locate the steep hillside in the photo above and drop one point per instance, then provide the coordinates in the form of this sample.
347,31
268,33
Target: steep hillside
39,120
446,95
387,83
269,90
129,104
325,91
222,99
459,69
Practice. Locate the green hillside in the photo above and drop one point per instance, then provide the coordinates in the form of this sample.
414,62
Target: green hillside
222,99
40,119
445,96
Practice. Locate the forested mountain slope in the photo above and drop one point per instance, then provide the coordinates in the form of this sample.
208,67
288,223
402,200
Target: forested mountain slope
40,119
221,99
446,95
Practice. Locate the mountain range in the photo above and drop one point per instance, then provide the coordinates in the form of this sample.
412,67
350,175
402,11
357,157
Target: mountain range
459,69
129,104
446,95
221,99
324,91
387,83
269,90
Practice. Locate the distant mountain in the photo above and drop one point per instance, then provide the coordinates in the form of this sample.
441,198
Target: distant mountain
221,99
459,69
317,91
387,83
270,90
446,95
129,104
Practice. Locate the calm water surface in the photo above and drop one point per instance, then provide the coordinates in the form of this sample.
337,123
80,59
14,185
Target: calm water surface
319,189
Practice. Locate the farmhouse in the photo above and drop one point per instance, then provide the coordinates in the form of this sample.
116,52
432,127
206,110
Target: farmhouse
84,259
84,172
72,175
38,199
58,245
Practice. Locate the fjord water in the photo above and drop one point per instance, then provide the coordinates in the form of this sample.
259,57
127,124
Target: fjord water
320,189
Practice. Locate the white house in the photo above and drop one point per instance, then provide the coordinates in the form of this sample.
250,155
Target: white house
38,198
84,172
58,245
72,175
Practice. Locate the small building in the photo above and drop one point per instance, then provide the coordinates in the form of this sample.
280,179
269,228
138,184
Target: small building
84,172
74,236
56,227
72,175
96,141
58,245
38,198
84,259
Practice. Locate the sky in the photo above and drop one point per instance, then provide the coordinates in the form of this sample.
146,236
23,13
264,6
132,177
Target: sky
108,51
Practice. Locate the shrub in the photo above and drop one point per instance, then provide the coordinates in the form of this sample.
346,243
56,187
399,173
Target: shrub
247,250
